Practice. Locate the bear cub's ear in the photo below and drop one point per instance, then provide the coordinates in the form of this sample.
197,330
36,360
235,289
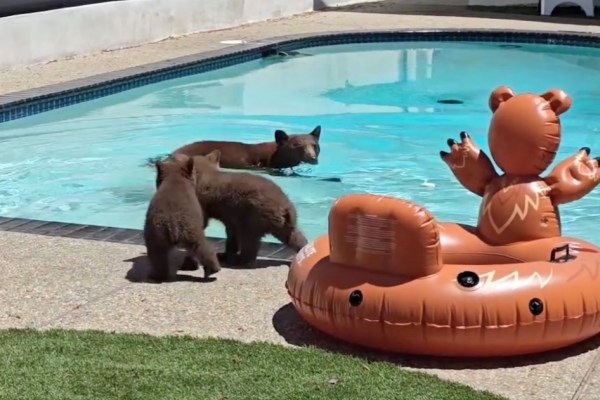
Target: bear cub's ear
316,132
190,167
214,157
281,137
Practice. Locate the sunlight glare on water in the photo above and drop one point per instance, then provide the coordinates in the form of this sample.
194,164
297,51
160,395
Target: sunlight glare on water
378,104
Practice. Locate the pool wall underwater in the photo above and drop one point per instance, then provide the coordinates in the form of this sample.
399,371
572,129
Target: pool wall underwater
34,101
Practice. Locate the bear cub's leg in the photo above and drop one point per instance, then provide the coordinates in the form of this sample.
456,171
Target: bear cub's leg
231,246
290,236
159,264
207,257
250,241
190,263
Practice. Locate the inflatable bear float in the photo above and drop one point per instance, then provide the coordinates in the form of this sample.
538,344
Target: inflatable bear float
524,136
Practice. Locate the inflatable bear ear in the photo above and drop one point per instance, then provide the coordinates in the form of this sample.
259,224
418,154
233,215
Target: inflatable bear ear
498,96
559,100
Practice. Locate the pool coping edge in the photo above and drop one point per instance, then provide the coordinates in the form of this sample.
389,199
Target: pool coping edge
271,251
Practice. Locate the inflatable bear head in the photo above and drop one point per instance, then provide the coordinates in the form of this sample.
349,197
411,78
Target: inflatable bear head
524,133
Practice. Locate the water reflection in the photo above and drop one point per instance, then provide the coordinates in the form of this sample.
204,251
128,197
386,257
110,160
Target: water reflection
283,85
389,78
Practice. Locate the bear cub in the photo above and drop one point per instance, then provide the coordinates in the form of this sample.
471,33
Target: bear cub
174,220
250,207
286,151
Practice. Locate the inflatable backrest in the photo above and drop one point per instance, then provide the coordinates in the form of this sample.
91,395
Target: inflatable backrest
384,234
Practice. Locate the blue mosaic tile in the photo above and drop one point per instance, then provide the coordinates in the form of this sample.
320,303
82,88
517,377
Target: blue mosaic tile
112,84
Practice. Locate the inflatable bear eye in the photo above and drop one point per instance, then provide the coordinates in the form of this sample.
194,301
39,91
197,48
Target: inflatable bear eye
559,100
498,96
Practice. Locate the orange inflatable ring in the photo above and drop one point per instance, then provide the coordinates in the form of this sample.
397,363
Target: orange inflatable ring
382,279
389,276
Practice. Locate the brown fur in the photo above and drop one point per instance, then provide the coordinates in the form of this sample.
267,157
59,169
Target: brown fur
285,152
249,206
174,219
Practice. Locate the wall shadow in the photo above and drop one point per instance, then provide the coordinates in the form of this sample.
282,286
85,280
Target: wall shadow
460,8
295,331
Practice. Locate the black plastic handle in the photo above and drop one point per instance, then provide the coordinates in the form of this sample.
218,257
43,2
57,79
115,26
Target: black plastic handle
561,259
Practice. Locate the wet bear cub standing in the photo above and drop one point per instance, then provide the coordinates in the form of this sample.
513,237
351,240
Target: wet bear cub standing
174,220
249,206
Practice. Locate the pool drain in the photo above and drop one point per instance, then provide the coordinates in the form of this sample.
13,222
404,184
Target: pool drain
450,101
510,46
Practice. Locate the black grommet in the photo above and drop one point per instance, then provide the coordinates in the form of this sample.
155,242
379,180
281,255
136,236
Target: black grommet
536,306
467,279
355,298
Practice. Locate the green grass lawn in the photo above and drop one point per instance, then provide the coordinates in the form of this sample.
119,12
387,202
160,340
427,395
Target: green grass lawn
65,365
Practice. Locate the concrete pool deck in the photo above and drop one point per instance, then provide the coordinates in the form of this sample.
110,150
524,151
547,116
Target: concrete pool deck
51,282
55,282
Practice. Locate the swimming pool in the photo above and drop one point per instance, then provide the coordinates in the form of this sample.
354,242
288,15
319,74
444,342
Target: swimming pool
378,104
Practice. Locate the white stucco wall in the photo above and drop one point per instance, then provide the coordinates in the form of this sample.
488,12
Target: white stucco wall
50,35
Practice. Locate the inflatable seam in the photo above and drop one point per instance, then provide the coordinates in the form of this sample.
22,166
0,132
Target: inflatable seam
541,321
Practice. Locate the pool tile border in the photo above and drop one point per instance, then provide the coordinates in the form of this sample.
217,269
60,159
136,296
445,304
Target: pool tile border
34,101
271,251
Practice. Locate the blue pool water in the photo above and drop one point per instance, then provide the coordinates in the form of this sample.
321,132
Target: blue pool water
377,104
